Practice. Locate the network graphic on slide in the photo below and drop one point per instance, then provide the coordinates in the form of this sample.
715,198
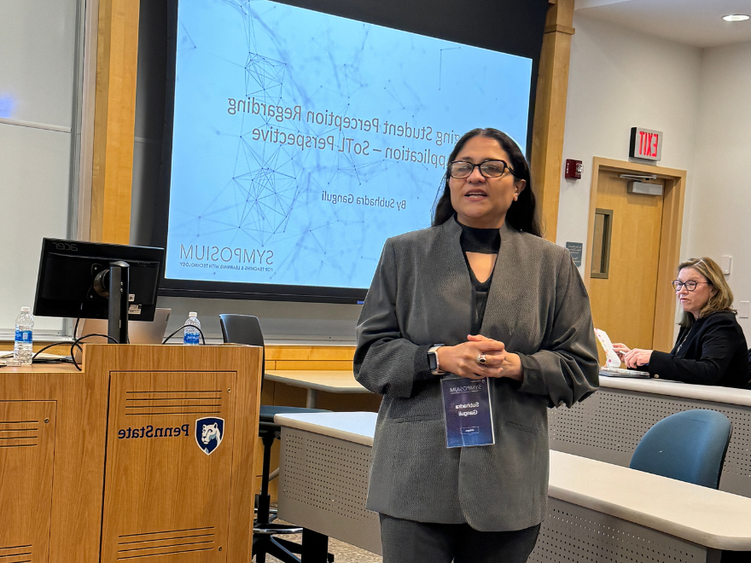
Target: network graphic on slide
301,140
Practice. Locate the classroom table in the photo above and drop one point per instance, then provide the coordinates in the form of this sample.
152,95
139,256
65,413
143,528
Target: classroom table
331,381
608,425
597,511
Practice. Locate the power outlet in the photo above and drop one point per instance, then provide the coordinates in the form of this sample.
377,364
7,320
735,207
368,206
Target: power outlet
727,264
743,309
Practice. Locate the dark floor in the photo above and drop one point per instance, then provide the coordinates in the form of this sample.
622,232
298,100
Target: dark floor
343,553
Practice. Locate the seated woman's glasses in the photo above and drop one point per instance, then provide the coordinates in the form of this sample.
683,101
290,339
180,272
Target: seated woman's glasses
690,285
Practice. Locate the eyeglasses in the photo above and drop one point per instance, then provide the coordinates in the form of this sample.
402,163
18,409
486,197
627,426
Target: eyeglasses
690,285
460,169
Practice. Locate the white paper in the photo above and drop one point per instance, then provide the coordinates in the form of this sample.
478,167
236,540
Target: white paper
613,361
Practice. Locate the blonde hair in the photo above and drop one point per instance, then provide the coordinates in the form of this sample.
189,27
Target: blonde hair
722,296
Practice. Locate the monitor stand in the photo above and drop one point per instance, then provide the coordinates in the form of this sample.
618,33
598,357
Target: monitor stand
119,296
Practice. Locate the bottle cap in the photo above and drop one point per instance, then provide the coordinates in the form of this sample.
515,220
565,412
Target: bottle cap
25,309
192,314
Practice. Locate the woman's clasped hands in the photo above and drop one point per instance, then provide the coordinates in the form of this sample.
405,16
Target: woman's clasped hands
480,357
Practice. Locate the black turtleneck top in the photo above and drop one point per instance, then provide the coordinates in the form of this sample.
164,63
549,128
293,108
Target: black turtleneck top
482,241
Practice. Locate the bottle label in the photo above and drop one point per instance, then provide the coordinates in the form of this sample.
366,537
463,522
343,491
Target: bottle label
191,338
23,336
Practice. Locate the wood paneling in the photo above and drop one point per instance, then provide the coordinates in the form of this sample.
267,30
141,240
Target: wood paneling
309,357
550,112
313,353
114,121
313,364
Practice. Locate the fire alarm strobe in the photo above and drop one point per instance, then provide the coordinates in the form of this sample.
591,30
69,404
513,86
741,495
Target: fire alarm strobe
574,169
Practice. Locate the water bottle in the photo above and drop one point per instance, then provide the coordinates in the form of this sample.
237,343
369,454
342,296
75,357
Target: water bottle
191,334
22,351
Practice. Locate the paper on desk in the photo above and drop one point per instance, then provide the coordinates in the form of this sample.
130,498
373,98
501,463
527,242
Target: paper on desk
612,361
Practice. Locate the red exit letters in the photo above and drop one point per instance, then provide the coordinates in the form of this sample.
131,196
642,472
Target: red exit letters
645,144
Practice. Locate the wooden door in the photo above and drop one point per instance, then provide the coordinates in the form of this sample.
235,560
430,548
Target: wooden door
623,284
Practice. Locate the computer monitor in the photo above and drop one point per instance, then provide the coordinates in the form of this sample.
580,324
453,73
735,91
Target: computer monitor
77,279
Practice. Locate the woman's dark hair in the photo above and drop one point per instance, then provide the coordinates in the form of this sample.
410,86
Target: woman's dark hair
521,215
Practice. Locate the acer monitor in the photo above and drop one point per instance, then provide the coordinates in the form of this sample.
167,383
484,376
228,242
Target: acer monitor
79,279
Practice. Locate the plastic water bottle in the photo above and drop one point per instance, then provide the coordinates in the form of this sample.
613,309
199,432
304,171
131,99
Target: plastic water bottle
22,350
191,334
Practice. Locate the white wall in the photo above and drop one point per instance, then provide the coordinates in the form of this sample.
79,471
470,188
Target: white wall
38,47
620,78
720,215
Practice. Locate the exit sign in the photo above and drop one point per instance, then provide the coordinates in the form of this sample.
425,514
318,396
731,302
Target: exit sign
645,143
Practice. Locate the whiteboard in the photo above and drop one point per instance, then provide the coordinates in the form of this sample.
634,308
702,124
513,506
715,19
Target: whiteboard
37,88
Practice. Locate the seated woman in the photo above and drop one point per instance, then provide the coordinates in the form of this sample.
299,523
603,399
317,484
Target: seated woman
711,348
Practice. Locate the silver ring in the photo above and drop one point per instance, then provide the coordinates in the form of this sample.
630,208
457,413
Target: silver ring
481,359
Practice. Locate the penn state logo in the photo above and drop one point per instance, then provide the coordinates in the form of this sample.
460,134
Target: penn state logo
209,433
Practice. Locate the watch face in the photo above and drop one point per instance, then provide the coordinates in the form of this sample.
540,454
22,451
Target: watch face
432,363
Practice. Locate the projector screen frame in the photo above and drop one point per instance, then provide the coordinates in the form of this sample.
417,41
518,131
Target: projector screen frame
463,25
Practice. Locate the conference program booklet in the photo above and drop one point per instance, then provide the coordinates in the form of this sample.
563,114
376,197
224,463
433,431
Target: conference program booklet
468,414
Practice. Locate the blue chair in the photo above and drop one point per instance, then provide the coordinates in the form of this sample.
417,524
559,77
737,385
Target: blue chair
689,446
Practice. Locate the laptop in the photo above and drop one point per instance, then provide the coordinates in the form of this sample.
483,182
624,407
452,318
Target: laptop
139,332
612,367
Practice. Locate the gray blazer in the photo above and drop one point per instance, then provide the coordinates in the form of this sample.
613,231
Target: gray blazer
420,295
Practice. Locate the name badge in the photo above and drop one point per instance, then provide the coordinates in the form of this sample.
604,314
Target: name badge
468,414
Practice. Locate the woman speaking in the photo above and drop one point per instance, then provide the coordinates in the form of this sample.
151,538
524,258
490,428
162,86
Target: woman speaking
477,297
711,348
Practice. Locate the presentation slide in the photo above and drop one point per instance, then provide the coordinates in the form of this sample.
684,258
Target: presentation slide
301,140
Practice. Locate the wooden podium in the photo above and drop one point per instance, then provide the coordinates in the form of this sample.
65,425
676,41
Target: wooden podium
146,455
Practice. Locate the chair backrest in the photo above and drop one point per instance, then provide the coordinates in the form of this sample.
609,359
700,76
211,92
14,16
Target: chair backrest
242,329
689,446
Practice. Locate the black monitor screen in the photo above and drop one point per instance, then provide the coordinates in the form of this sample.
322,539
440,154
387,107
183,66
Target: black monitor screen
70,272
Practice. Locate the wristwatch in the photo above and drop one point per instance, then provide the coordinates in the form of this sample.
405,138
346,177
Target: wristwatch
435,367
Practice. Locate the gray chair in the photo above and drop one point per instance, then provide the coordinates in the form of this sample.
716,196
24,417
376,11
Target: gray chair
689,446
246,329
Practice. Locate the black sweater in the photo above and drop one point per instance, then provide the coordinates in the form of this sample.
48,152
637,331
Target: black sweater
712,351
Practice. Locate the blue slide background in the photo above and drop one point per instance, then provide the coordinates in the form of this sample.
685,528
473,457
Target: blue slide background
260,211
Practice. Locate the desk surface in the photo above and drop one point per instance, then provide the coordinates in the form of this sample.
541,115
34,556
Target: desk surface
332,381
710,393
704,516
699,514
343,381
356,427
52,367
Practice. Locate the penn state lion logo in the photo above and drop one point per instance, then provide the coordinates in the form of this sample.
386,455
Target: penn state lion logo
209,433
